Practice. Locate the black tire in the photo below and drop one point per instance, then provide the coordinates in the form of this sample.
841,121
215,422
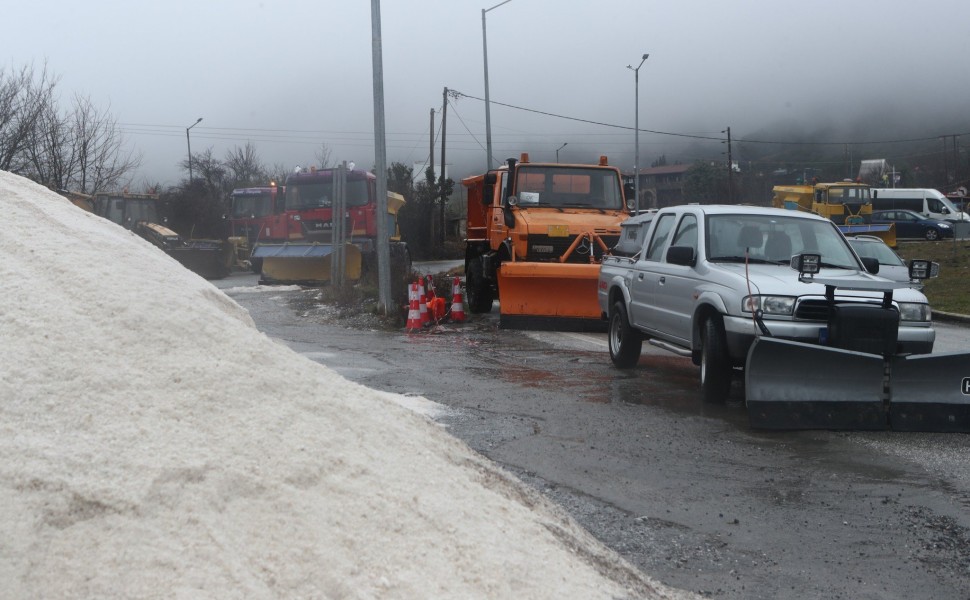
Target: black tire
479,292
716,369
931,234
624,341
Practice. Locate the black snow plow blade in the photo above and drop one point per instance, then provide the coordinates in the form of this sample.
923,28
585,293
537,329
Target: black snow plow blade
930,392
204,257
792,385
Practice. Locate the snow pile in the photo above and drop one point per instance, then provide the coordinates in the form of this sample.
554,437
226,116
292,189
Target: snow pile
154,443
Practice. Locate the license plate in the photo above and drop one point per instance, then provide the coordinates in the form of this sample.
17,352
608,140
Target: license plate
559,231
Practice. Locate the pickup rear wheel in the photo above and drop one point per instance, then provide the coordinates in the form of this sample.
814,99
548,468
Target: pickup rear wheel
716,369
625,342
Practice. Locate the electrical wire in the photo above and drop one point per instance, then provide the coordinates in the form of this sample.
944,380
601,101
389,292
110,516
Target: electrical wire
702,137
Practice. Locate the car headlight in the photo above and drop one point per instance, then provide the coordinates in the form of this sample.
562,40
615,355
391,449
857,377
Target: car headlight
914,311
769,305
944,226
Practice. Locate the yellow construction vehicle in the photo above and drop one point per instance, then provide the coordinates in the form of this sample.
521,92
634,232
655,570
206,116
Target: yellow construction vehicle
847,203
536,234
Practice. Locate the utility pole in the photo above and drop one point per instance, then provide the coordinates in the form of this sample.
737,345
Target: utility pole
730,169
444,168
338,231
380,160
431,146
946,167
956,158
188,142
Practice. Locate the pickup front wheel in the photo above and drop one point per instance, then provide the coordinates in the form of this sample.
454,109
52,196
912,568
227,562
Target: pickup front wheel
625,342
716,369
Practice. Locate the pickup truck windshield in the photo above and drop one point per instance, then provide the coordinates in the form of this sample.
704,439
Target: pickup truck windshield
562,187
773,239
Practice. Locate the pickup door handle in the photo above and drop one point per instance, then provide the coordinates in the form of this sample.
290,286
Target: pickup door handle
640,277
663,280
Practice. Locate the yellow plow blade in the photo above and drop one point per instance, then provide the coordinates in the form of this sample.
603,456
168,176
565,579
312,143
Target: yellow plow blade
549,296
306,264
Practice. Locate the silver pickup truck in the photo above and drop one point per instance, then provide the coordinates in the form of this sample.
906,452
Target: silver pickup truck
706,281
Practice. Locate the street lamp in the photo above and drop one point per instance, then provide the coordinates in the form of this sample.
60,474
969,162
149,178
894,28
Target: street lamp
636,136
560,148
189,143
488,113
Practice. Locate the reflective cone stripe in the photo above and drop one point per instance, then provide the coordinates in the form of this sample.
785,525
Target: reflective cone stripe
423,303
457,303
414,311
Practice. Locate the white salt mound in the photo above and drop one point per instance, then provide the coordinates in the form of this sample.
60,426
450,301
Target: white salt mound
153,443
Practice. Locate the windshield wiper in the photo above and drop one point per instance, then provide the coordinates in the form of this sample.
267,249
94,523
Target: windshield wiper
741,259
826,265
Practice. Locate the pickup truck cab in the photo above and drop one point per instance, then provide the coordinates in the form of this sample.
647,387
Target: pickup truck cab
708,279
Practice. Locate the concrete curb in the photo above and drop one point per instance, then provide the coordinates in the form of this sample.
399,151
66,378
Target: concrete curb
951,317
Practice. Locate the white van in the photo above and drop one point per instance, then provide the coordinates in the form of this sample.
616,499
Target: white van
927,202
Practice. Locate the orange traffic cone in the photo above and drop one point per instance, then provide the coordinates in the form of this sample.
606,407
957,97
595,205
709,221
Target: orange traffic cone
414,311
423,304
457,303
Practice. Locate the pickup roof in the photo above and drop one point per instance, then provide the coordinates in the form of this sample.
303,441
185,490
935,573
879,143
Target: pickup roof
708,279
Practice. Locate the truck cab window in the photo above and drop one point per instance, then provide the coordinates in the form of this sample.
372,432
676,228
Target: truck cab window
686,232
659,239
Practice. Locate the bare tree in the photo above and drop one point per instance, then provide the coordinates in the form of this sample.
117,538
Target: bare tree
324,157
23,97
48,150
82,151
211,171
278,173
244,166
101,161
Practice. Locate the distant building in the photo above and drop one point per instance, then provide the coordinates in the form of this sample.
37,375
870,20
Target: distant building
662,186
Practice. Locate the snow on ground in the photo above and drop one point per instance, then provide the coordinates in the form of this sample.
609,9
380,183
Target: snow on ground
154,444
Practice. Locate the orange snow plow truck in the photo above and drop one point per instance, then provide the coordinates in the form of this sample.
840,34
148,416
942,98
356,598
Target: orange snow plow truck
536,234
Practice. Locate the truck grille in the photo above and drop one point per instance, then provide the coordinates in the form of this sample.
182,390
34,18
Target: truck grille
543,248
818,310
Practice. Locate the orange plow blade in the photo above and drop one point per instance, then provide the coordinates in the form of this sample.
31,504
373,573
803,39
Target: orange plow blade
549,296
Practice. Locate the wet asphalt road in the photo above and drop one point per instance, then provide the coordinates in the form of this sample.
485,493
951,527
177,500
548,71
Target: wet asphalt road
686,491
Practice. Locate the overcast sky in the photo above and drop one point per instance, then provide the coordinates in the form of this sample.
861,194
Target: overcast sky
290,75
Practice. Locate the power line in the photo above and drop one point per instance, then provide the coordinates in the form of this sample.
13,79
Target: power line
701,137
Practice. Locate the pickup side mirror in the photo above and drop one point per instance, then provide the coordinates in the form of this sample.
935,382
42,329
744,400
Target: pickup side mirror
681,255
871,264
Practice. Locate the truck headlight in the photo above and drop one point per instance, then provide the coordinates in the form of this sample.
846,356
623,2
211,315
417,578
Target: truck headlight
914,311
769,305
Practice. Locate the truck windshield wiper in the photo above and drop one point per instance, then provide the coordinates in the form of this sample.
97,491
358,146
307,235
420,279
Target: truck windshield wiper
826,265
750,259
